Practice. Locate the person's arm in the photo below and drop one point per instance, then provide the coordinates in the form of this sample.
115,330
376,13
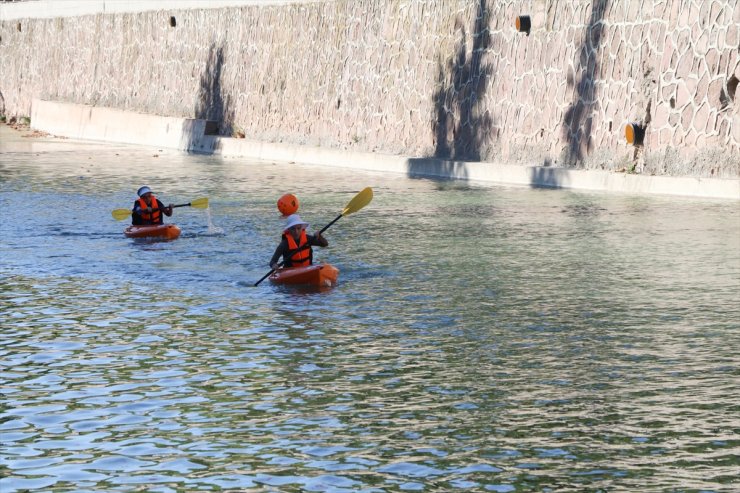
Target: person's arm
317,240
136,214
278,253
167,210
139,210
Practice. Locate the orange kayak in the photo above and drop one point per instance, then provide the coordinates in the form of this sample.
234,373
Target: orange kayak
314,275
160,231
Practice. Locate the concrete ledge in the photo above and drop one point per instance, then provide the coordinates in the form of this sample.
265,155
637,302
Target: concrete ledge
536,176
112,125
78,121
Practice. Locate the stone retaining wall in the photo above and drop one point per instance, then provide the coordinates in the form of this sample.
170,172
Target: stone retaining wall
444,78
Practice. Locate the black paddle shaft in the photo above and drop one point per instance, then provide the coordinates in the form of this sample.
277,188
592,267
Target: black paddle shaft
327,226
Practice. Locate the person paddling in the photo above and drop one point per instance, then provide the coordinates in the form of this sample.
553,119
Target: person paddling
148,209
295,245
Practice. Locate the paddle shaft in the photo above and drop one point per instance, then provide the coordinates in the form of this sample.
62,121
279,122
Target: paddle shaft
327,226
180,205
201,203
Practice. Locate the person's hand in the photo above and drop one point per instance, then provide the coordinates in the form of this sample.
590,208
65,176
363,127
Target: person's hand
317,235
273,265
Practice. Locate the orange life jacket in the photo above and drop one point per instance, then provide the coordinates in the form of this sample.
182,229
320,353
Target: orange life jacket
301,257
155,217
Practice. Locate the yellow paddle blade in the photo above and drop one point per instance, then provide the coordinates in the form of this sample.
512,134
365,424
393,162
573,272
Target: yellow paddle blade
201,203
119,214
359,201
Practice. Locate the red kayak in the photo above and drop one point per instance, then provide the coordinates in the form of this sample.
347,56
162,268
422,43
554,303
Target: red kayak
318,275
158,231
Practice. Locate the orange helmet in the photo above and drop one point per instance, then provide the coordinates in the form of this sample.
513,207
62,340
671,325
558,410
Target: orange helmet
288,204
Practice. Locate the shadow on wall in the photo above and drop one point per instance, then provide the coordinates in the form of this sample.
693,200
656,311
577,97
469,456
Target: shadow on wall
440,168
459,128
212,104
578,118
544,177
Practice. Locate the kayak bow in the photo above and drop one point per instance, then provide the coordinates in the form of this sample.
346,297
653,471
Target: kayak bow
318,275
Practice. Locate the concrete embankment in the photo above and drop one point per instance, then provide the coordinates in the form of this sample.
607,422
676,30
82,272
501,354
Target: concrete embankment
106,124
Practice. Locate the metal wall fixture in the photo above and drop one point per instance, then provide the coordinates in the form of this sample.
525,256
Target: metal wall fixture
523,24
634,133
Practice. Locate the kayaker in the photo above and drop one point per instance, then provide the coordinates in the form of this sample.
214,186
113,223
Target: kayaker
148,209
295,246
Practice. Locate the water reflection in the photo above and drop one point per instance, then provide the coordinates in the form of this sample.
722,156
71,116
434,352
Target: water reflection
490,339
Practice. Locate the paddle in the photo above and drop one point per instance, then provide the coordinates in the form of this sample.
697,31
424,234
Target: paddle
201,203
358,202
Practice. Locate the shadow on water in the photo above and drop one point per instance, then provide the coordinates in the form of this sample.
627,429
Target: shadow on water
460,127
578,118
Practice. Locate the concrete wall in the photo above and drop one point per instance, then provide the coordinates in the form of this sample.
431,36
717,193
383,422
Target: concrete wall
84,122
444,78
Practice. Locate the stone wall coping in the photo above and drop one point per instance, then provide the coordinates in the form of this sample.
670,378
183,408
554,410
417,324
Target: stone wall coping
49,9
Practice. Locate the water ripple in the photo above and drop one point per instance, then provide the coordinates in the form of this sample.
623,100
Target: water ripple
488,339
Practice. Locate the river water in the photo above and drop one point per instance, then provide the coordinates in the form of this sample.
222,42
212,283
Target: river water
481,338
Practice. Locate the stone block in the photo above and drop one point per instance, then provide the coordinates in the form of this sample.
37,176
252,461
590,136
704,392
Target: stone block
660,115
701,118
732,38
714,92
690,137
